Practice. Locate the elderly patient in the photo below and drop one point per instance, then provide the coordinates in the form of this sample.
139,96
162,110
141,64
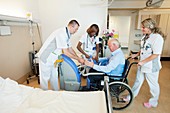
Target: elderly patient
114,65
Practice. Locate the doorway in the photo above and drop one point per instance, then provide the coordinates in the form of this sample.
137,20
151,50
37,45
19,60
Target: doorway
121,25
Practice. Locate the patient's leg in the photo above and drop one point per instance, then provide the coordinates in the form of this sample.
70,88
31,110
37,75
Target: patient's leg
95,78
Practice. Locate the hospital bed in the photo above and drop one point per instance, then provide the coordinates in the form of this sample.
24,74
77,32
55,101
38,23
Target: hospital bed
15,98
115,90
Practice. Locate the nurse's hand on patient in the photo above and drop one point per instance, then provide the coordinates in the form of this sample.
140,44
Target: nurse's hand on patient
81,60
95,58
90,64
87,56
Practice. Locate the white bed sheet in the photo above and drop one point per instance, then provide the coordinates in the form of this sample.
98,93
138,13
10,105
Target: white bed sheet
15,98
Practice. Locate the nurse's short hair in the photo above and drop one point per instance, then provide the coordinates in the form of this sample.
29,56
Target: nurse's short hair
92,28
73,22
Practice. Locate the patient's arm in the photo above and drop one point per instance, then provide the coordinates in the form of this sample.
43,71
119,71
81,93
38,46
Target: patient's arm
103,61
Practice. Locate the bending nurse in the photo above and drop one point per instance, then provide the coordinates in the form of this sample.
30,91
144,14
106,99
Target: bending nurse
57,43
90,42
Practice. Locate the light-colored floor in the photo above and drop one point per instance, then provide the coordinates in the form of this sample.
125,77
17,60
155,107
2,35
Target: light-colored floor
144,94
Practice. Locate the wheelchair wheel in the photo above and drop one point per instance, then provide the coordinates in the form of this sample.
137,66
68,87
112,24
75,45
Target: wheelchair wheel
118,91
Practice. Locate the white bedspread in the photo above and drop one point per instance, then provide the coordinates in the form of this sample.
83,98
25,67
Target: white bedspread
16,98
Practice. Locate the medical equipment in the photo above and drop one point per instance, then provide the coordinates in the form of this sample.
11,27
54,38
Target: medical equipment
34,67
68,35
33,61
70,79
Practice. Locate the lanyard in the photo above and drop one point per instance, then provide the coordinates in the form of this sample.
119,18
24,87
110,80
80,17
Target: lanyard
88,38
144,40
87,42
67,36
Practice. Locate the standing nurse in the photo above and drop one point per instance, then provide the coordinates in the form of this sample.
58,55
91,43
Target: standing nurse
90,43
57,43
149,64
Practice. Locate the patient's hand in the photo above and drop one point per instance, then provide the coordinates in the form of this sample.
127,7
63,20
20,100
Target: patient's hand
90,64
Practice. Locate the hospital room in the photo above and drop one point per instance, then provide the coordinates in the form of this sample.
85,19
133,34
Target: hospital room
84,56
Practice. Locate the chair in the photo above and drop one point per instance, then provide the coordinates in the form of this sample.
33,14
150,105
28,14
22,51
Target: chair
69,74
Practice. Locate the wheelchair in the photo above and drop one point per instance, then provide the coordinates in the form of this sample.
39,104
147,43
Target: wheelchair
115,87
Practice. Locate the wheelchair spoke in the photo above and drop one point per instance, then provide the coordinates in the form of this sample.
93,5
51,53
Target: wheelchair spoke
119,91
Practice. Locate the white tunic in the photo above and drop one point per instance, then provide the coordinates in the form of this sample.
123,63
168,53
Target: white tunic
153,45
89,44
54,44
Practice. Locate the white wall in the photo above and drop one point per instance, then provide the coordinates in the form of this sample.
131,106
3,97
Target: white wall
51,15
14,58
57,13
121,25
14,50
19,8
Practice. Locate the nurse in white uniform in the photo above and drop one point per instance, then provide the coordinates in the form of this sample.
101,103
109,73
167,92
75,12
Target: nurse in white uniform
149,64
90,43
57,43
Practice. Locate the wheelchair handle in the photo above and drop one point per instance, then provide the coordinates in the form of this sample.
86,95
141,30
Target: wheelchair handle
134,63
128,58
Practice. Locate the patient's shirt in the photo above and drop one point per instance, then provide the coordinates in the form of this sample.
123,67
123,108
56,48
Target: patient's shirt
115,65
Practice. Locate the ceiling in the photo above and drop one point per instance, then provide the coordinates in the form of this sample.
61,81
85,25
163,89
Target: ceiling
129,0
135,4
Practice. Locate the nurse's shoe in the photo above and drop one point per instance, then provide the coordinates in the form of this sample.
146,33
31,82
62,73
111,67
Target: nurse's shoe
147,105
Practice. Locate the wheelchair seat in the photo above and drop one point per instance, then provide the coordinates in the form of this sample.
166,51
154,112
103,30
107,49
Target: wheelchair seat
69,75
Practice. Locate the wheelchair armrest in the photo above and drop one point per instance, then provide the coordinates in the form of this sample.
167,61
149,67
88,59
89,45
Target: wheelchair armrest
89,74
81,66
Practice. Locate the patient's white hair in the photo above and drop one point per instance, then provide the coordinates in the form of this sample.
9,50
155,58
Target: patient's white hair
115,41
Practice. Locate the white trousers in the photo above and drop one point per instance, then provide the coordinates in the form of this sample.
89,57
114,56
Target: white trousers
152,80
48,73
